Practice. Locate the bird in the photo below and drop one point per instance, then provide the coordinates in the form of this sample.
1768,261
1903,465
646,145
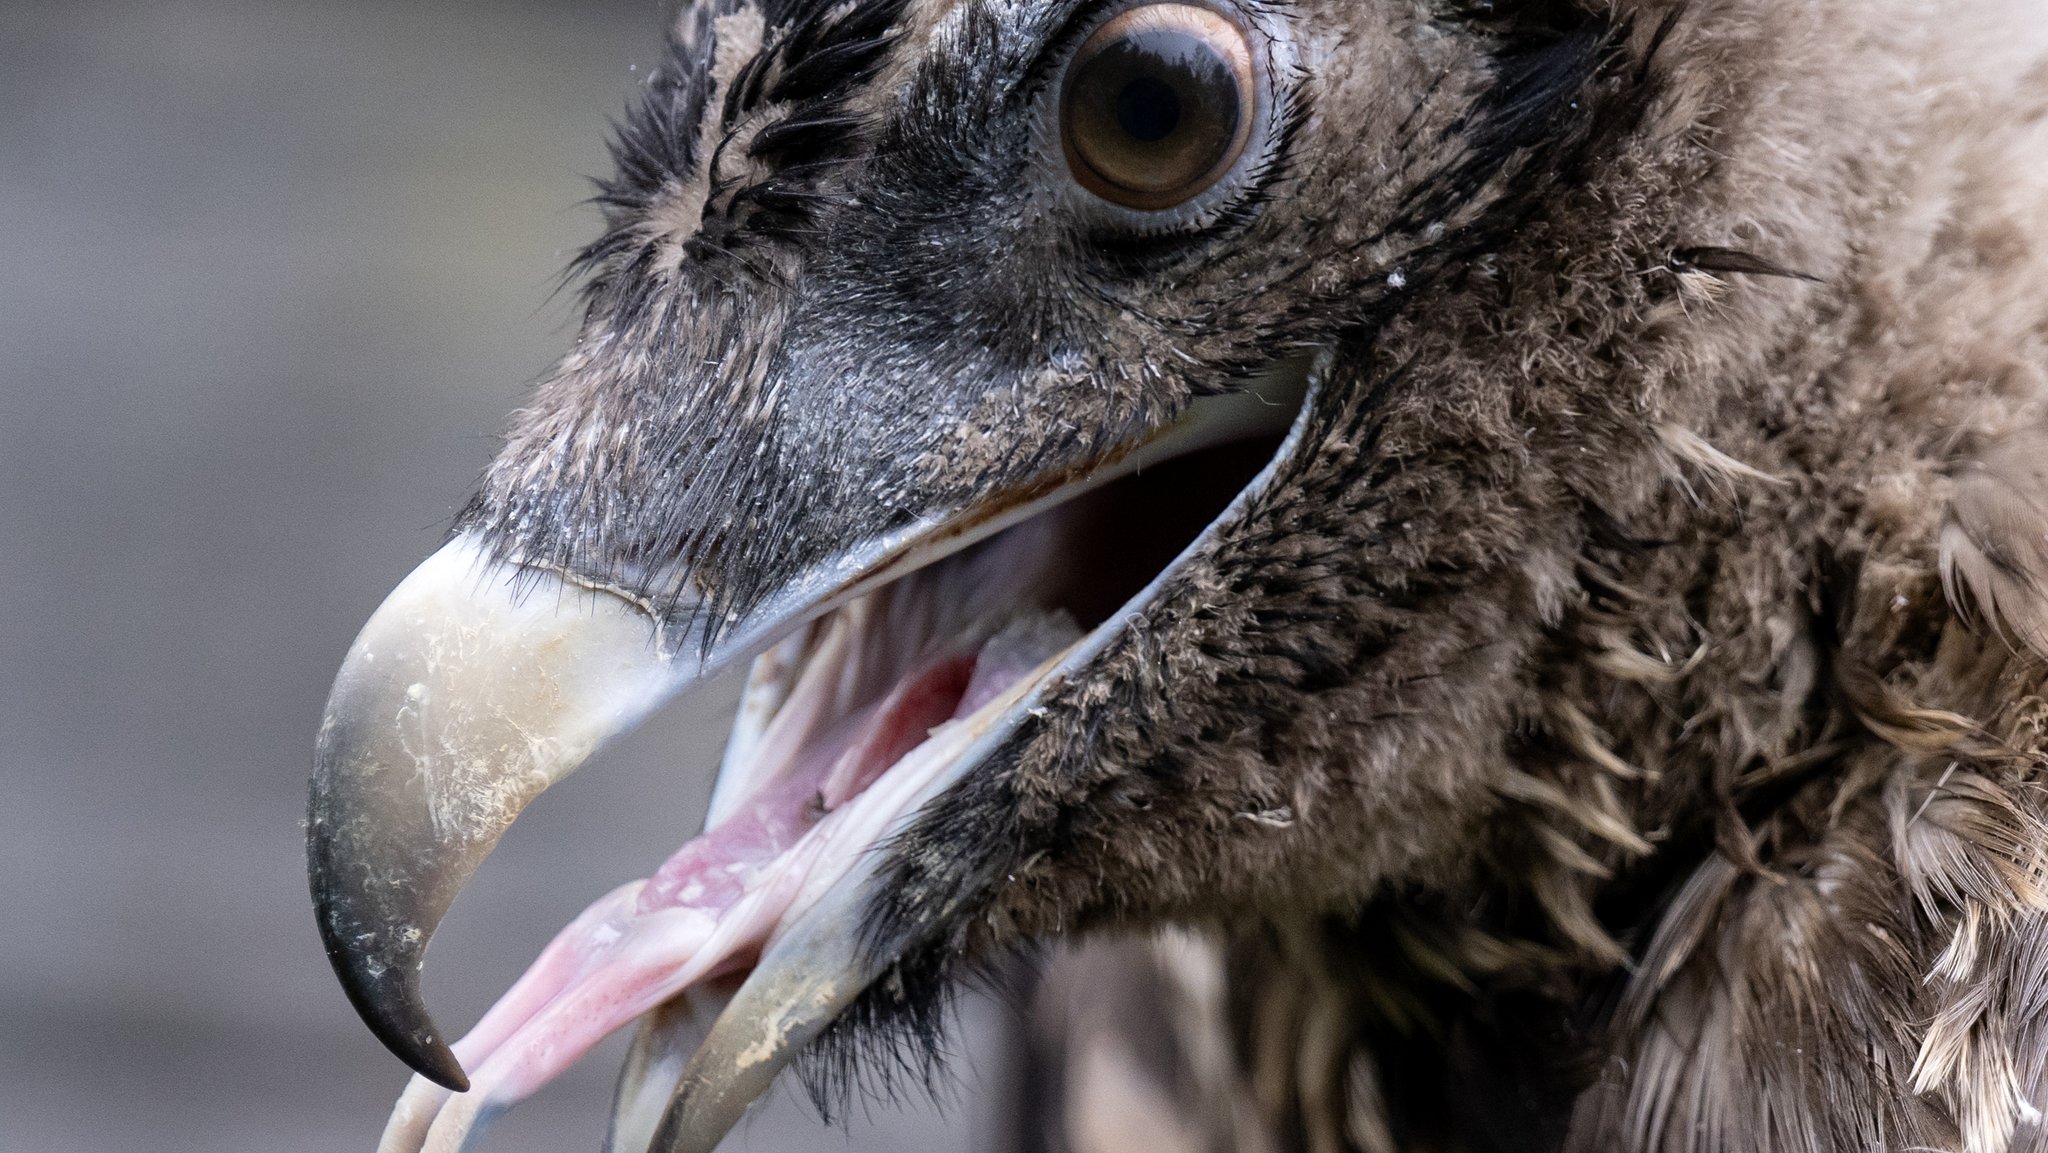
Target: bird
1407,574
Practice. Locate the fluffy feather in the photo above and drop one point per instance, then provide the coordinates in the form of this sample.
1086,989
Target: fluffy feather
1994,543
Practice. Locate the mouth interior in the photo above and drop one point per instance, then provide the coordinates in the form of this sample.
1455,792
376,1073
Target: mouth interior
843,727
855,694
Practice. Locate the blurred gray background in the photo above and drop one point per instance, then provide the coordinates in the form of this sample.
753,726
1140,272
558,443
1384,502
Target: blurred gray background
271,274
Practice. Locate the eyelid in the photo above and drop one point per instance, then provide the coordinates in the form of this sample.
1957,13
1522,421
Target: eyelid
1172,15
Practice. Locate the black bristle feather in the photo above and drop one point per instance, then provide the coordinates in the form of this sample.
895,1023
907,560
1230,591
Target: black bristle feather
890,1046
832,68
802,78
1732,261
816,132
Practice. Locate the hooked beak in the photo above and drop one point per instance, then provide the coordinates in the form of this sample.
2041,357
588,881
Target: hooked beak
479,684
469,692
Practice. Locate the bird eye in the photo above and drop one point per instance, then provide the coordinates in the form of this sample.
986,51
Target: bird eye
1158,105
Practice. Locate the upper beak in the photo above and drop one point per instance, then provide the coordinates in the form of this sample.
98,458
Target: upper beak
470,691
479,683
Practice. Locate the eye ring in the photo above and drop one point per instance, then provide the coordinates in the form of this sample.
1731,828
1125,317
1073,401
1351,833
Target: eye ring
1158,105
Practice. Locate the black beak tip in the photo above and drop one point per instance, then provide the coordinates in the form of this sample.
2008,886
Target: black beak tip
423,1050
375,922
390,1004
381,977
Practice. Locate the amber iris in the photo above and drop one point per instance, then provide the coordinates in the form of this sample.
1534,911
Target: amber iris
1158,105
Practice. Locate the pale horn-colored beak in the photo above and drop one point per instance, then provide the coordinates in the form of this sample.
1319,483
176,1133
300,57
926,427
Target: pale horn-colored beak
472,689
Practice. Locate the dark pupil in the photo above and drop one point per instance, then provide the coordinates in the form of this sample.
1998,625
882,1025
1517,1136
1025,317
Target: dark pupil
1148,109
1152,112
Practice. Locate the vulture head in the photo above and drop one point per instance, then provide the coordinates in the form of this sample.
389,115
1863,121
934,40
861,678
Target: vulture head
1521,526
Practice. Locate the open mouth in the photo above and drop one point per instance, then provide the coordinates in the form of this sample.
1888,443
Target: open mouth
847,726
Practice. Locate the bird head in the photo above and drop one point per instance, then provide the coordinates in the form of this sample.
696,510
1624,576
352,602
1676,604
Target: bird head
1100,423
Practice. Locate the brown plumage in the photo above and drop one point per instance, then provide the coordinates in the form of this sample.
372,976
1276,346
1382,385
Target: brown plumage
1618,720
1763,866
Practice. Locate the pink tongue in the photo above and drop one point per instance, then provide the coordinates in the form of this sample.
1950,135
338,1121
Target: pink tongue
710,908
707,911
